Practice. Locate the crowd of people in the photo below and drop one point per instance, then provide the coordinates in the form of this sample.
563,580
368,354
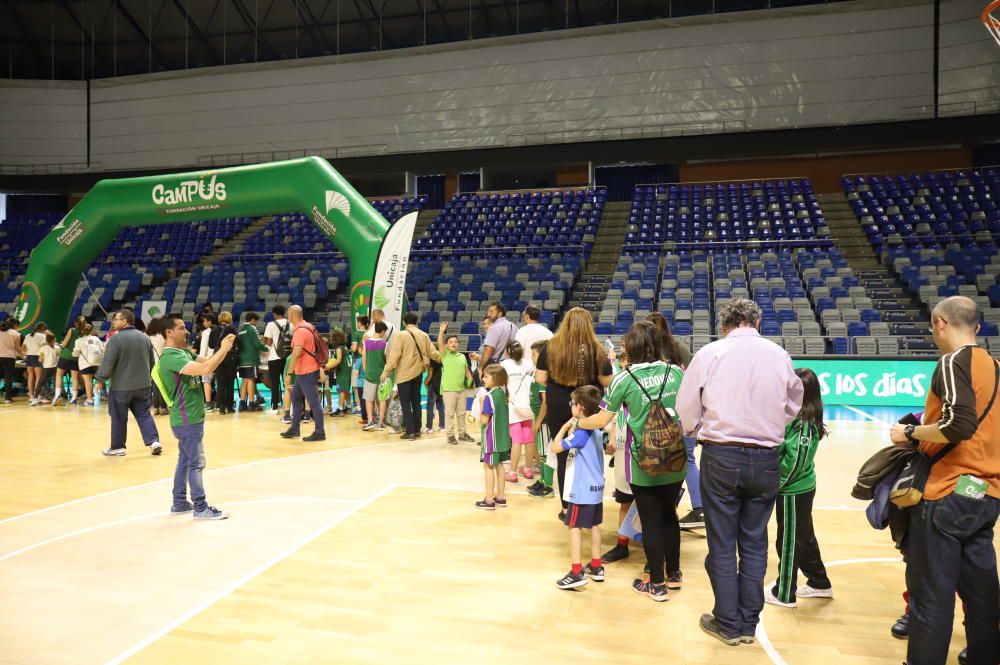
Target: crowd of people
549,406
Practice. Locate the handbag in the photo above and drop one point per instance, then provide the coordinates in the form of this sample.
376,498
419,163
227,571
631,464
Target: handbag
908,489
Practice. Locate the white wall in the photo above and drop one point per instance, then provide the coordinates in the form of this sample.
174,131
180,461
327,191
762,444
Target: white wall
855,62
43,122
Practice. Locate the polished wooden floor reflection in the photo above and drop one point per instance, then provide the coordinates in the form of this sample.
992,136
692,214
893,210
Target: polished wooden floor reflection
366,549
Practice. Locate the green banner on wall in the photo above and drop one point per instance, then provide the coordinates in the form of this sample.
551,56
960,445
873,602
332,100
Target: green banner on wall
872,382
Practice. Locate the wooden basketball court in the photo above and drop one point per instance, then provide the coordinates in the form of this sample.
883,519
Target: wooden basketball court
367,549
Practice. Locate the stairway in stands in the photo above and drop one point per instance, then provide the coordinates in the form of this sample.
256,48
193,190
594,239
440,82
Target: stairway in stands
888,292
594,281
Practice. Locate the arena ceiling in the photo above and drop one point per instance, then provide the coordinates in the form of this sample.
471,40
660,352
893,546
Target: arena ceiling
86,39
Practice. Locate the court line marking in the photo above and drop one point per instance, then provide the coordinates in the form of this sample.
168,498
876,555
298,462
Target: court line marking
761,634
216,597
211,470
867,415
161,513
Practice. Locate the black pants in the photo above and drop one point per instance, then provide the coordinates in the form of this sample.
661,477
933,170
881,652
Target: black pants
409,399
951,549
797,547
661,532
361,400
276,369
225,375
42,386
9,375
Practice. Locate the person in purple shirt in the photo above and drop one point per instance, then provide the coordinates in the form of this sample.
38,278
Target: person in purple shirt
736,397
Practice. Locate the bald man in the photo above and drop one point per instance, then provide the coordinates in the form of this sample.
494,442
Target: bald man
951,529
303,363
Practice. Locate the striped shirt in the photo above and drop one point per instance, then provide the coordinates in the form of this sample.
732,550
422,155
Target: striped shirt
961,387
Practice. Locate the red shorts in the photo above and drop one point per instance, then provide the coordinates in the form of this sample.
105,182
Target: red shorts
520,433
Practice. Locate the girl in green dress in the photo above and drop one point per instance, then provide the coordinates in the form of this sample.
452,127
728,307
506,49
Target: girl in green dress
494,443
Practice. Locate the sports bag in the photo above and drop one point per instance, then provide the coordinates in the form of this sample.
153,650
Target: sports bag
661,448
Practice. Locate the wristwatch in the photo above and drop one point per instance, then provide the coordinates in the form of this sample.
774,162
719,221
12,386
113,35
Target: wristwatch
908,431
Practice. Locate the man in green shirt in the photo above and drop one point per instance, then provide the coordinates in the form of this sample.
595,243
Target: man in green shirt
250,349
178,374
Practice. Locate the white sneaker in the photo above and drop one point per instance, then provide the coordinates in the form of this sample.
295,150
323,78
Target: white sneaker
155,448
114,452
773,600
275,412
428,430
441,430
807,591
34,401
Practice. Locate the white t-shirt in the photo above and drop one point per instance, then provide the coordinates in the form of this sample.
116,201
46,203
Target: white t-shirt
158,344
531,333
33,342
204,350
519,378
273,332
88,351
49,355
10,344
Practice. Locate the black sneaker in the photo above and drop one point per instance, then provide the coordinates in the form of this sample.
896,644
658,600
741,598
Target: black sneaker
963,656
596,574
693,520
616,553
535,486
656,592
452,440
486,505
901,629
712,627
562,515
314,437
289,434
674,581
466,438
571,581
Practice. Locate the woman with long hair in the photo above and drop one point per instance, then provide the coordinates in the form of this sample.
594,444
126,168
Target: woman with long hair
571,359
674,352
32,344
647,378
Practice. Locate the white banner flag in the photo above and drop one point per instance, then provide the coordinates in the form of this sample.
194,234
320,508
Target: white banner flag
152,309
389,281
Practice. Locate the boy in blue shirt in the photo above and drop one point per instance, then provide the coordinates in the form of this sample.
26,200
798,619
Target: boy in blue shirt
584,487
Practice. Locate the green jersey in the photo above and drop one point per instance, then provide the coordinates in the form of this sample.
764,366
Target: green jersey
374,359
344,369
495,434
453,367
798,450
67,351
535,398
624,390
250,346
183,390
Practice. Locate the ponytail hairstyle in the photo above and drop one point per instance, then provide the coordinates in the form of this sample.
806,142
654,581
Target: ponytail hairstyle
498,374
811,414
515,351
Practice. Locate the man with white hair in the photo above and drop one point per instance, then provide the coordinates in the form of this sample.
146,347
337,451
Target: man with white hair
304,365
737,396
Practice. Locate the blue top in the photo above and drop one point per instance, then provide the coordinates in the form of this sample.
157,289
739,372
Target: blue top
585,467
360,383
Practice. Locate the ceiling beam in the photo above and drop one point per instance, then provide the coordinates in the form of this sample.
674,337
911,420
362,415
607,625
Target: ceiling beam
182,10
311,24
251,23
29,39
142,33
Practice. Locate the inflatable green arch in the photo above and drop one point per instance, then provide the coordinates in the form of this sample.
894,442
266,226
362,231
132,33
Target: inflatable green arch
309,185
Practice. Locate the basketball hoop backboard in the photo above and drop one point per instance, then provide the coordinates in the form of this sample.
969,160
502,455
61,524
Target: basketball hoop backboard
991,19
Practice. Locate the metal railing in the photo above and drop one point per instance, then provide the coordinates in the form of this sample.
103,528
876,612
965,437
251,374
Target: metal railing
963,108
720,182
530,250
256,157
670,245
48,169
628,133
954,170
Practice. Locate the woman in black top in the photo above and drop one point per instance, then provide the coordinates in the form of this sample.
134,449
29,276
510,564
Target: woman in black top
572,358
225,373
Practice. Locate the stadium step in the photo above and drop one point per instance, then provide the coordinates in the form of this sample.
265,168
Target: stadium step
424,219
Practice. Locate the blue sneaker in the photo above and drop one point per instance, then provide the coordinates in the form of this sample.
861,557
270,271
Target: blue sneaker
178,509
210,513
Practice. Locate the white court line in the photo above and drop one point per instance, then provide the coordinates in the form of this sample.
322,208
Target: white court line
761,634
867,415
201,607
211,470
160,513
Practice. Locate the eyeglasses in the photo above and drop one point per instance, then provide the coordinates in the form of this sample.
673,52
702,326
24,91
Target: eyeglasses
931,329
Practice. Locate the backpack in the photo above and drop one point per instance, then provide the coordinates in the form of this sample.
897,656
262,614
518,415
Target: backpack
283,345
322,353
661,449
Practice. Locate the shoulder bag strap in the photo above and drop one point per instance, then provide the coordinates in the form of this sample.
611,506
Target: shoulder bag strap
996,385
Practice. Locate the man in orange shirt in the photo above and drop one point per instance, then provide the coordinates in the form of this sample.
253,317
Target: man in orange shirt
305,366
951,529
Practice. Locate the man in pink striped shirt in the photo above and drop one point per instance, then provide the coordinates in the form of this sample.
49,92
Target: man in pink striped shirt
737,395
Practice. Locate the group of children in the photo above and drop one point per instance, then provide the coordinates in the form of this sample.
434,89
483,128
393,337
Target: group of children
498,407
47,362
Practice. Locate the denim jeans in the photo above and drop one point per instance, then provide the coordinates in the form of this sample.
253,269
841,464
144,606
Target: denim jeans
434,401
738,490
190,463
138,402
693,478
951,549
307,386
